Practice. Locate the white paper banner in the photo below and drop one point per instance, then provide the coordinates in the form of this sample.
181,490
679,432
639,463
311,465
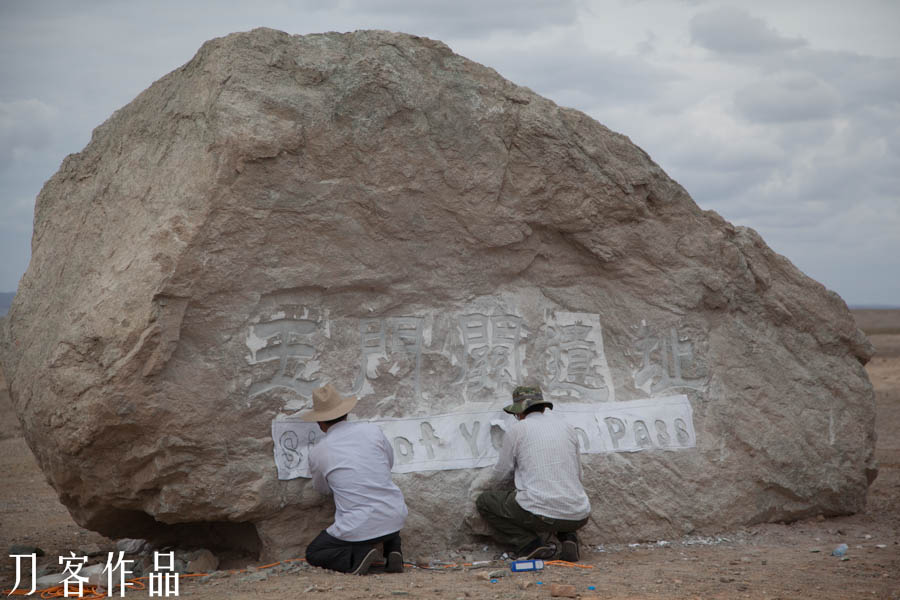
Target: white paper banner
472,440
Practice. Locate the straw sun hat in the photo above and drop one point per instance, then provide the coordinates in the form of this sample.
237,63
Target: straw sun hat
328,405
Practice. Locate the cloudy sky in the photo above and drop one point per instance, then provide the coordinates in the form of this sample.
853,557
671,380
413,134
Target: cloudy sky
782,116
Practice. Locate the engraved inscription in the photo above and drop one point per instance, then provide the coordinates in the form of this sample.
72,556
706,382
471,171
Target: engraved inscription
471,437
475,439
576,362
491,355
290,343
584,443
289,444
403,450
429,439
384,339
664,359
497,434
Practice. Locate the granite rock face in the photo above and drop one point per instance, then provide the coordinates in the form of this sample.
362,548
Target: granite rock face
373,210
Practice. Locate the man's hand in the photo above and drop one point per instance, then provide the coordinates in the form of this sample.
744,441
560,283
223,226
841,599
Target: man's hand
481,482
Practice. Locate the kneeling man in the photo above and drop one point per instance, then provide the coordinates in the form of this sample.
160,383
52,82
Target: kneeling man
353,461
541,451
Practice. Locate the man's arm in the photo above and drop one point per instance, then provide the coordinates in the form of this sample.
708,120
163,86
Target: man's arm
578,456
320,483
505,467
388,449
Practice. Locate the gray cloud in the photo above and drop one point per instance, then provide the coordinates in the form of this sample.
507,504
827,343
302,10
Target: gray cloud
732,30
863,80
26,126
574,75
788,97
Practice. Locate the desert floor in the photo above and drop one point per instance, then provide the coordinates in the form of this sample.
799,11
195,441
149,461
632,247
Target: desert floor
766,561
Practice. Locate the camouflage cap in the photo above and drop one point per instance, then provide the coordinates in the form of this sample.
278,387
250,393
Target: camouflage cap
524,397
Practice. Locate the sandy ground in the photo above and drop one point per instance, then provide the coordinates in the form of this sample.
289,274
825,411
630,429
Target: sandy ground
767,561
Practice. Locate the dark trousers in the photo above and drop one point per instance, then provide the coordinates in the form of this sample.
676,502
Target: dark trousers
328,552
515,526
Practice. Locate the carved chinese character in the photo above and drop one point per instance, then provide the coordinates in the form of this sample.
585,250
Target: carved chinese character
576,364
664,358
290,342
386,339
491,356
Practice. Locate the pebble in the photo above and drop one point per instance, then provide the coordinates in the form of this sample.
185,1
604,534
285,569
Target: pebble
25,549
91,550
497,573
130,546
49,580
561,590
254,577
201,561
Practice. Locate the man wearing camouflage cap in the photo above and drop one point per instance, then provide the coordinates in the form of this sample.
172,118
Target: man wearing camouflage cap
541,452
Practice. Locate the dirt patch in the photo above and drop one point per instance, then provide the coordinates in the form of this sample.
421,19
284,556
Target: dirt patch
765,561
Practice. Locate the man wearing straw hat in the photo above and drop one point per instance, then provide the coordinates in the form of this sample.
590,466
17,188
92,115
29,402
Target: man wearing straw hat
541,451
353,461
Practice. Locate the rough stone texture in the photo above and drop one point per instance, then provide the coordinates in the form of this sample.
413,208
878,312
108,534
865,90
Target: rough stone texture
203,561
327,179
562,590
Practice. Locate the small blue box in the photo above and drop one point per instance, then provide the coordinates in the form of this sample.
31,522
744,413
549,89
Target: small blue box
526,565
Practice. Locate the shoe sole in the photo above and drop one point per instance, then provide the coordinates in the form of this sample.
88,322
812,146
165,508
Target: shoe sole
569,551
543,552
363,567
394,563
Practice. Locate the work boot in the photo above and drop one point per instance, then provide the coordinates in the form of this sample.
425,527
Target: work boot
537,548
569,543
363,566
393,555
394,562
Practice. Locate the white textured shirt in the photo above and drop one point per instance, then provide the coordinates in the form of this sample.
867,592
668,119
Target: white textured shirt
353,461
542,451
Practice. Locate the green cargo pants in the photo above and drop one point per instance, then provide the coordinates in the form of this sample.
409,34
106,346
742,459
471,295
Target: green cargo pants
513,524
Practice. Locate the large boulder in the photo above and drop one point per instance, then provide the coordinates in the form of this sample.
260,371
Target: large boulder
372,210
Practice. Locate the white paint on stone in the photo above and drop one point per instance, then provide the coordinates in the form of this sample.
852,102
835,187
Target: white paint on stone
578,366
254,343
465,440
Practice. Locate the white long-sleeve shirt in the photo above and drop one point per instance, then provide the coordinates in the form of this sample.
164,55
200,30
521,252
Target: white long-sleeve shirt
353,461
542,451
